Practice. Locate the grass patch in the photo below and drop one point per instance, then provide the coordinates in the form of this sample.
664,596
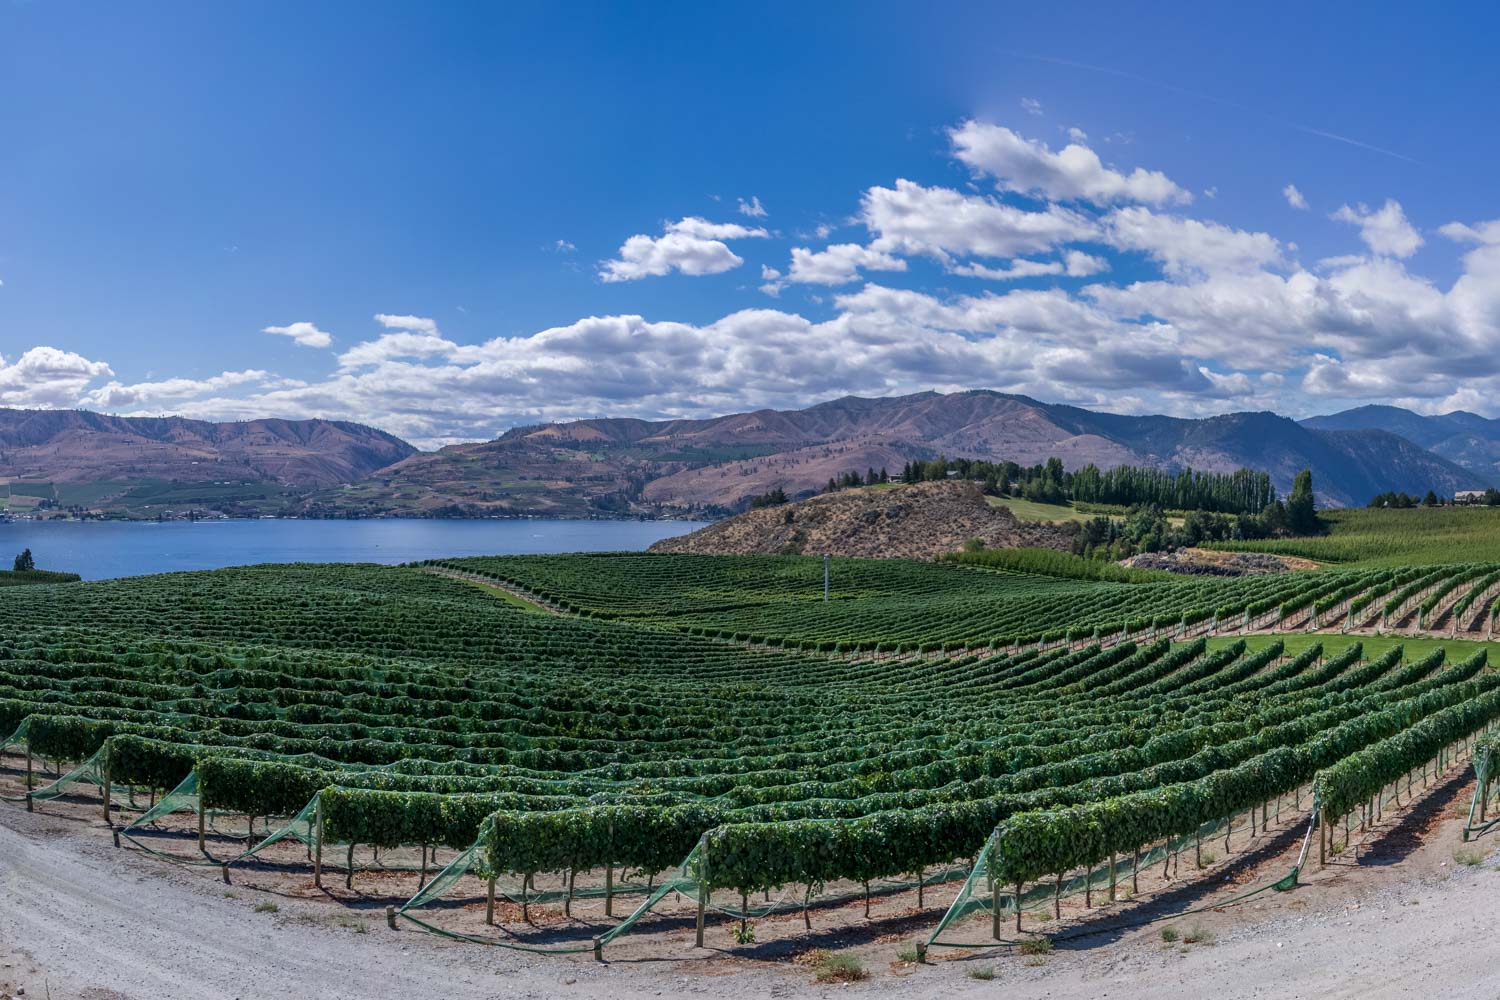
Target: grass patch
1036,946
1415,536
1469,856
983,972
840,968
1209,857
1199,935
267,907
908,954
1169,935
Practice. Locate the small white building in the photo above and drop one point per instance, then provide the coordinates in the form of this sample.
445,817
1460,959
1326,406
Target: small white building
1469,496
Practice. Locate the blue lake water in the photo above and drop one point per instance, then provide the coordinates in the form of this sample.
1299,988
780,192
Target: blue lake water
99,550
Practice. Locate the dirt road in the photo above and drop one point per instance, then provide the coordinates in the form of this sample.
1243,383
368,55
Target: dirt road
80,919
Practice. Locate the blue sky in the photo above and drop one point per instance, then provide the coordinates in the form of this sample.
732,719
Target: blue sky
462,217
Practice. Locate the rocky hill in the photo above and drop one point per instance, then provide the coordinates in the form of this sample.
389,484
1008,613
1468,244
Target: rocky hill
920,521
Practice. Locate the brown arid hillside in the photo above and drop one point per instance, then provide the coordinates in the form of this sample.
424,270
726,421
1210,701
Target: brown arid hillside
713,466
74,446
920,521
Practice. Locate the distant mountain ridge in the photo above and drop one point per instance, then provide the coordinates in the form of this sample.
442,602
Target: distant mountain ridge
106,458
1464,438
712,466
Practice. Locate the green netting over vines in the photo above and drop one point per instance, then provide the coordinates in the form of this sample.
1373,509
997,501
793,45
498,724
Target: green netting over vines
689,881
980,896
91,772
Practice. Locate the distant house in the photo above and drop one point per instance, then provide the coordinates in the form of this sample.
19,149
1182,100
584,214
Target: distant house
1469,496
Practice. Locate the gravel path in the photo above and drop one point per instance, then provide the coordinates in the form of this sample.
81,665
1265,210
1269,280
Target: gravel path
81,919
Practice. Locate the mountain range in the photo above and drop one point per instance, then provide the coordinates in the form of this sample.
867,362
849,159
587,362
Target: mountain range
710,466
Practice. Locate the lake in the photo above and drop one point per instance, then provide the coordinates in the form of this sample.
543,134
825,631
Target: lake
99,550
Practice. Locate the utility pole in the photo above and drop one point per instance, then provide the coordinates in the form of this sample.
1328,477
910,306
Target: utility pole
825,576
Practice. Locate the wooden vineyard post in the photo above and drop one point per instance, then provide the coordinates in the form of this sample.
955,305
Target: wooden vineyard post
422,879
105,788
702,905
202,847
30,783
317,837
995,910
1057,898
390,916
1112,867
1088,888
609,875
1135,873
1018,907
349,867
489,902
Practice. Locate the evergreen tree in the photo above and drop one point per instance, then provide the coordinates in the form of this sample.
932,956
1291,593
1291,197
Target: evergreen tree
24,563
1301,512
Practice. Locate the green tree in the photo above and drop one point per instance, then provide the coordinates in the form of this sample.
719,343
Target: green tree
1301,512
24,562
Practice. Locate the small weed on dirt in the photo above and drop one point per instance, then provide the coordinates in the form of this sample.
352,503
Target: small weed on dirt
267,908
1036,946
1199,935
1468,856
1169,934
984,972
840,969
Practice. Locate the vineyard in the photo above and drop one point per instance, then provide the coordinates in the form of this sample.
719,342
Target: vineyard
633,744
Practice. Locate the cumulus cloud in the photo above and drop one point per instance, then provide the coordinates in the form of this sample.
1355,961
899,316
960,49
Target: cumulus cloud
1073,173
752,208
1188,246
304,334
839,264
1294,197
1031,105
691,246
47,377
166,392
940,222
1384,230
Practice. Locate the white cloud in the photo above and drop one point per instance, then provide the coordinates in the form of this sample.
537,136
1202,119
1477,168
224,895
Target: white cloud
752,208
1187,246
1077,135
169,392
420,324
1073,173
838,264
47,377
1294,197
691,246
1075,264
1031,105
913,219
1384,230
304,334
1479,232
563,246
